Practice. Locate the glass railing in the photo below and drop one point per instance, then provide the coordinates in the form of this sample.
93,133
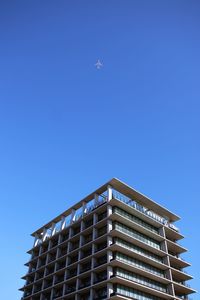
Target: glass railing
135,219
68,220
172,226
138,207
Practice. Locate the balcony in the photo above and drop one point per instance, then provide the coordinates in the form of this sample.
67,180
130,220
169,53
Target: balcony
100,294
52,256
61,265
42,262
54,242
30,280
37,288
63,251
85,297
48,283
70,289
74,246
85,267
101,260
101,246
132,203
32,268
27,293
87,239
76,230
101,231
72,273
39,275
85,283
64,237
73,259
50,270
102,216
100,277
57,293
46,296
86,253
35,253
88,223
59,278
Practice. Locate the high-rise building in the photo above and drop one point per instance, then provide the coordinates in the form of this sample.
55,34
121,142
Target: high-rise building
114,244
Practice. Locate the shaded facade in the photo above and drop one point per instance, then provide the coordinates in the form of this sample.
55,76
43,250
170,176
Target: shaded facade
114,244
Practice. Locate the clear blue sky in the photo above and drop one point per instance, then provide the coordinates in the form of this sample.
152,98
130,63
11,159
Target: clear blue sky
66,127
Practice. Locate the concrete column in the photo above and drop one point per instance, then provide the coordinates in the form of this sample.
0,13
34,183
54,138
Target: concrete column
44,234
95,218
91,293
96,199
109,289
77,285
84,208
167,262
109,240
72,216
109,192
109,255
109,226
109,272
53,229
109,210
62,223
36,240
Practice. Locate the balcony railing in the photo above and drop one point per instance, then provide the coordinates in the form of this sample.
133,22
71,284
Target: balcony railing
100,278
70,219
138,207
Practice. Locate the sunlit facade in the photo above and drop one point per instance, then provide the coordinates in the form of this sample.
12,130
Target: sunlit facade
114,244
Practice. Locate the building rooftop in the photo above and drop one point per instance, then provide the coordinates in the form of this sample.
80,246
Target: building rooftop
127,191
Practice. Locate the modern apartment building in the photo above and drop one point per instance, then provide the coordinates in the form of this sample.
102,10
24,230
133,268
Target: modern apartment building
114,244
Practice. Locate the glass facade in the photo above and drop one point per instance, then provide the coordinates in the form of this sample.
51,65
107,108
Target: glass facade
140,279
135,234
139,264
134,294
135,219
138,250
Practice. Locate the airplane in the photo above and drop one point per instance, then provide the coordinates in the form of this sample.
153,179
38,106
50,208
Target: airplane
98,64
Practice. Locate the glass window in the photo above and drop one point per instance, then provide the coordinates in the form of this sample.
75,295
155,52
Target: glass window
135,234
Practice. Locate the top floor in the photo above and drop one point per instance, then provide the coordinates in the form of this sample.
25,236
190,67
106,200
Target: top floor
112,189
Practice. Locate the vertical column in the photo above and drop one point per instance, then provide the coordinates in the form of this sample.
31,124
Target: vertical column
109,289
167,262
84,207
53,229
36,240
72,216
44,234
96,200
109,192
62,226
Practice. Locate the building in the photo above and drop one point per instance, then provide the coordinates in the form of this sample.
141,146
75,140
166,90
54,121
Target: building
114,244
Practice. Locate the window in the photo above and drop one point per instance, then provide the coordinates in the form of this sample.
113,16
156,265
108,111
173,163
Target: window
135,234
139,264
134,294
138,250
140,279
